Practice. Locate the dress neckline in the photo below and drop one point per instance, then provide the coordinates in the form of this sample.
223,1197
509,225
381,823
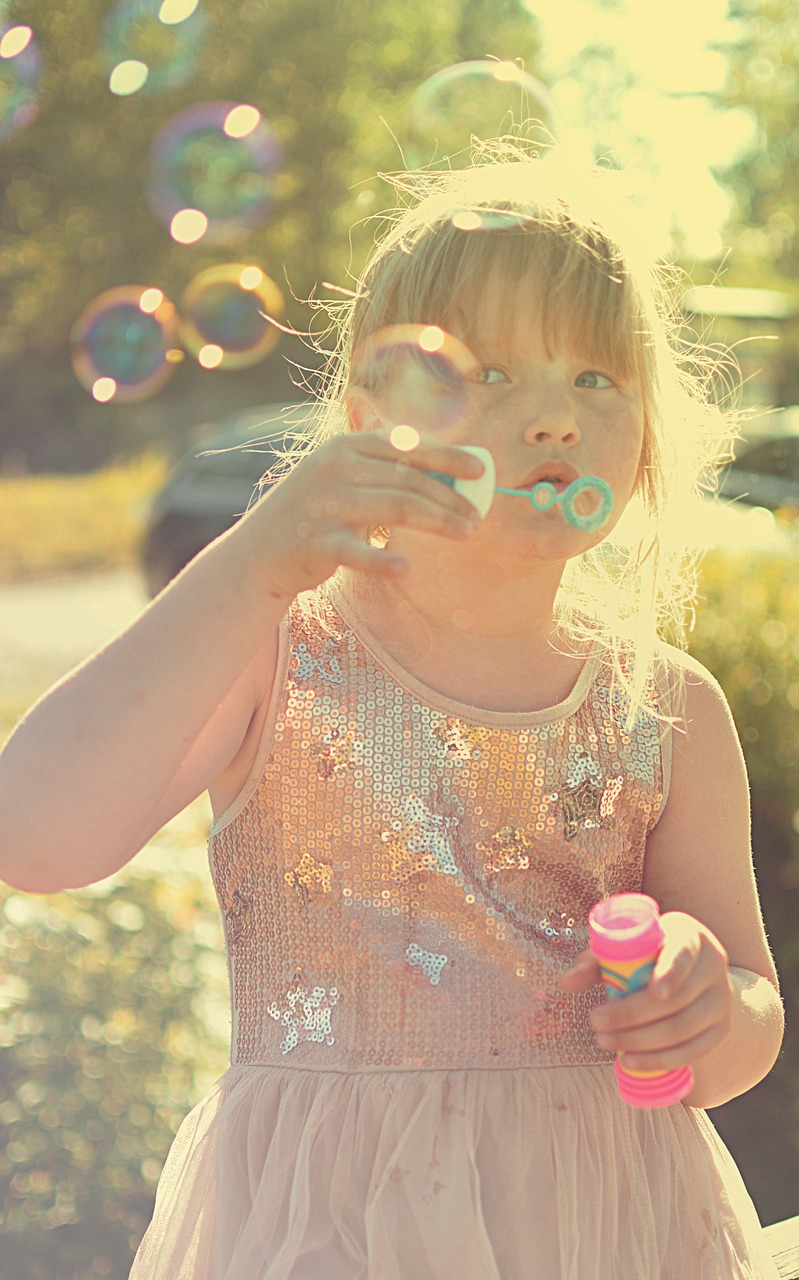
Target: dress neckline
433,698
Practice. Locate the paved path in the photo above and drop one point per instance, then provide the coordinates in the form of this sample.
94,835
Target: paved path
46,627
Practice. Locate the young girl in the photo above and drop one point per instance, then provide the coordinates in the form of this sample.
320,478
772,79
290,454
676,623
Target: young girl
432,742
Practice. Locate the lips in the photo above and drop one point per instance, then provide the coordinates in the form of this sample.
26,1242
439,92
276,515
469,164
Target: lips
556,472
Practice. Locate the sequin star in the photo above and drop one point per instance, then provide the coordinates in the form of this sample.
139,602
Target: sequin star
326,666
309,876
429,962
336,752
305,1014
419,839
588,798
506,849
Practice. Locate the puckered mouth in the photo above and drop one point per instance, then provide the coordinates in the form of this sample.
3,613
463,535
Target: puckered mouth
555,471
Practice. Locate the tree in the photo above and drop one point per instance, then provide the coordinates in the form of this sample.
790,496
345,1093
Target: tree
332,79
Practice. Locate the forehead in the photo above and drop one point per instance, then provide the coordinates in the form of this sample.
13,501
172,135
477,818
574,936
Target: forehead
507,315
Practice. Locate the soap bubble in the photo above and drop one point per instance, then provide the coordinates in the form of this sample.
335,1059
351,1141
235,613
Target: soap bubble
20,70
218,159
151,46
124,344
222,316
421,372
481,98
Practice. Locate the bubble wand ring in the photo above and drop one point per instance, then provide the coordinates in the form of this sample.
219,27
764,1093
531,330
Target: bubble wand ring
543,497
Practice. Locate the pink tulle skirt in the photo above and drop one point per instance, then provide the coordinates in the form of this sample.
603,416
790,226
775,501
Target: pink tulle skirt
287,1173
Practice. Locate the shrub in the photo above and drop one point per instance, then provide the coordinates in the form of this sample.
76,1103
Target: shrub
747,634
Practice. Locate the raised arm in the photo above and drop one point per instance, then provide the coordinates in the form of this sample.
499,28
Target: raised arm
152,720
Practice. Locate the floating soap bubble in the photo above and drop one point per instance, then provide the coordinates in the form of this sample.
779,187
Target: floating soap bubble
421,371
151,46
124,344
223,316
218,159
481,98
20,70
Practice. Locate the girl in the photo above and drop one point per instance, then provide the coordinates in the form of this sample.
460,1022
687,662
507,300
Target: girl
432,743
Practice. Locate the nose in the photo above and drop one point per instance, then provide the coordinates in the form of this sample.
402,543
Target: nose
553,422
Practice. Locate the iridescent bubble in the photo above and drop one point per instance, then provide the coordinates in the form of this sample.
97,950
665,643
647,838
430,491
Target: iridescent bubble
485,99
218,159
224,316
151,46
124,344
20,70
420,371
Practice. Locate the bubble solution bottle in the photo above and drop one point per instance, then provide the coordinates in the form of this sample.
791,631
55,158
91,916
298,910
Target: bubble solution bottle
626,938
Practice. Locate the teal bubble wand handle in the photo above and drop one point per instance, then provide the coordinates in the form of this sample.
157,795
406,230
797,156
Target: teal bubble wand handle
544,495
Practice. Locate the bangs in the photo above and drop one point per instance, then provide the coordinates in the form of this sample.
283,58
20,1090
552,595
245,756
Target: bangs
576,276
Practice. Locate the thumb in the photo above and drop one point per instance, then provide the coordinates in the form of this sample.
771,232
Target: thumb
582,974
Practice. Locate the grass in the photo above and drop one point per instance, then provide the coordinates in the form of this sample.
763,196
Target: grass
52,525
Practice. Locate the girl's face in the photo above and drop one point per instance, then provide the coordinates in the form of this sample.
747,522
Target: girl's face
541,407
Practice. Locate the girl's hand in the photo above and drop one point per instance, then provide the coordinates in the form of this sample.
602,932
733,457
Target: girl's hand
684,1013
318,517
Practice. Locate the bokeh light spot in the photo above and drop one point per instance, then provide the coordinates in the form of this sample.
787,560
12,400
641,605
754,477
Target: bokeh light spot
104,389
151,300
404,437
241,121
128,77
210,356
14,41
188,226
432,338
174,11
20,72
465,220
251,277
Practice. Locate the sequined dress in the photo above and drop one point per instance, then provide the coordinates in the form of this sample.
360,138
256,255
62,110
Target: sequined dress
411,1096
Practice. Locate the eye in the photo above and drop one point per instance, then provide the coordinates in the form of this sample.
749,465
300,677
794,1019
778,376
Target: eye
594,380
490,375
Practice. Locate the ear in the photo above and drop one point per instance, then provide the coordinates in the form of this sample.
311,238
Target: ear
364,410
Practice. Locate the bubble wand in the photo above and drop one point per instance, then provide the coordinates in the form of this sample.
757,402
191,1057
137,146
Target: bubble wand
542,496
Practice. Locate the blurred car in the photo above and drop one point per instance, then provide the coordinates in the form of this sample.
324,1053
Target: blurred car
212,484
765,473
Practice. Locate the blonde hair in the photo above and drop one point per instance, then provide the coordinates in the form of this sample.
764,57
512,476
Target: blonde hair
600,288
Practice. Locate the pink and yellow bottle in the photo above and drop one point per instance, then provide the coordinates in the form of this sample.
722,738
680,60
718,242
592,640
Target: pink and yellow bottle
626,937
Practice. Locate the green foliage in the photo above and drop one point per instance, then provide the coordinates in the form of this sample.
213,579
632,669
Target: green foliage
332,79
763,77
747,634
106,1044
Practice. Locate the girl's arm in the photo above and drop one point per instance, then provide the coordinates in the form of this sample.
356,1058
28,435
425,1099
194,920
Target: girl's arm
168,708
713,1002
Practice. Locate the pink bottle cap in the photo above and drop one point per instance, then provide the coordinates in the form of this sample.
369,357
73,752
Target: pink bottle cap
625,926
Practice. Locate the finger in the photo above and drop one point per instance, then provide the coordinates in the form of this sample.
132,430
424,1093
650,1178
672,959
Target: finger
427,455
341,548
362,508
676,1055
678,958
660,1032
397,475
582,975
